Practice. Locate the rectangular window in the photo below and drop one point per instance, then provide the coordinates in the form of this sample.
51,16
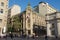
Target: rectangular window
2,4
0,29
0,20
1,11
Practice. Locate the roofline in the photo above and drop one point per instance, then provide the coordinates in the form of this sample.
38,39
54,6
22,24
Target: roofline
42,2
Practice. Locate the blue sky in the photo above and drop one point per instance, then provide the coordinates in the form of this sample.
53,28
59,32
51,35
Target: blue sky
23,3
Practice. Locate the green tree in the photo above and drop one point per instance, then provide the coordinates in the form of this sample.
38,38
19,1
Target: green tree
17,23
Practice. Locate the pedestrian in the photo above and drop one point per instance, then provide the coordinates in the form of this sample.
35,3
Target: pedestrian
6,37
11,35
46,37
56,37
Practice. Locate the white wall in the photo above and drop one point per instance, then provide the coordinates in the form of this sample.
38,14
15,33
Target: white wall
58,26
15,10
48,29
42,8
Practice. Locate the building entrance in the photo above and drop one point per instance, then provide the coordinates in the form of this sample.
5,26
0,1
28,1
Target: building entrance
39,30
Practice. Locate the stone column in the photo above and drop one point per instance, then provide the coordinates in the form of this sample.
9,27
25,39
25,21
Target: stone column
48,29
27,32
1,31
31,31
56,30
58,27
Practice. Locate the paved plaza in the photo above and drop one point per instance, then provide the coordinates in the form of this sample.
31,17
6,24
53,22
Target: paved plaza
18,38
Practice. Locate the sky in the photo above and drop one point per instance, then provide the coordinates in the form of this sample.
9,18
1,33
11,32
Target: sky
24,3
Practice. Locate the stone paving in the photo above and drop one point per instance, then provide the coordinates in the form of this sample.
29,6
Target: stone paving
17,38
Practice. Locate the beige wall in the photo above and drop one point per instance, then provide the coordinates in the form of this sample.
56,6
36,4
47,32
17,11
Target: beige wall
3,16
45,8
51,19
38,19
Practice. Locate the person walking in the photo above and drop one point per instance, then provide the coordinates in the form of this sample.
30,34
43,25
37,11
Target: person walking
11,35
46,37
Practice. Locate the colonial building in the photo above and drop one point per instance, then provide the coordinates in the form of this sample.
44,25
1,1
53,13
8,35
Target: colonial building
32,21
44,8
35,21
50,12
52,20
3,16
53,23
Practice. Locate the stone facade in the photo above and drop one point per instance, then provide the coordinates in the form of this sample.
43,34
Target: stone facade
3,16
29,19
53,23
44,8
51,18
